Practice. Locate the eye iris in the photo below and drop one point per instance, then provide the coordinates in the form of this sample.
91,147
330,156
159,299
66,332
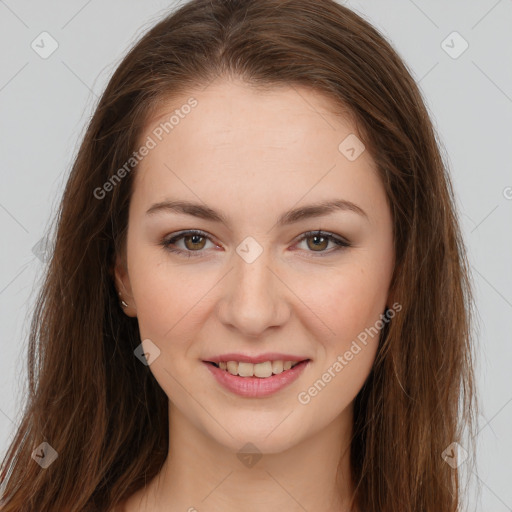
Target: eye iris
194,237
318,237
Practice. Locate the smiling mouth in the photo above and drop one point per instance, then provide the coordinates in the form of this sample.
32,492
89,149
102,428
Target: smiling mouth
262,370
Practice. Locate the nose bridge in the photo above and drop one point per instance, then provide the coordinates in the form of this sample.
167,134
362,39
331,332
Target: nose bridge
252,272
253,302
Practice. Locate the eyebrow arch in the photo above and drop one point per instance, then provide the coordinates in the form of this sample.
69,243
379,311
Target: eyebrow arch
290,217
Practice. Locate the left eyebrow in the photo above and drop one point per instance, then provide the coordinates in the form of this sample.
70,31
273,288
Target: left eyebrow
290,217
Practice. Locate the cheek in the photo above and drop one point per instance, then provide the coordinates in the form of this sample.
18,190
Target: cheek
347,300
350,304
332,391
158,289
170,297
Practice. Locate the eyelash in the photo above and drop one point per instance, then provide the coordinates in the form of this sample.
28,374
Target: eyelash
166,243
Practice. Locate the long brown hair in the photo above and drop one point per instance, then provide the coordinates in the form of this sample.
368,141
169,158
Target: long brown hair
104,413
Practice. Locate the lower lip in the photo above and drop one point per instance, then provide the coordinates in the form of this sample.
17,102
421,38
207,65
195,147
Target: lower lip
256,387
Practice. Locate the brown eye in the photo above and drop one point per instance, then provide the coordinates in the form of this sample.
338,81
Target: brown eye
197,242
187,243
318,242
193,242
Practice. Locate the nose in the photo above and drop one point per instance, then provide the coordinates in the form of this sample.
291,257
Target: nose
254,296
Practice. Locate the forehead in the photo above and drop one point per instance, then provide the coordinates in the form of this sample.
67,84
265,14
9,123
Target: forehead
268,145
231,112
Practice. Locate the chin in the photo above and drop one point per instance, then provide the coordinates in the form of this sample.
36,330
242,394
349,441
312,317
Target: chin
273,433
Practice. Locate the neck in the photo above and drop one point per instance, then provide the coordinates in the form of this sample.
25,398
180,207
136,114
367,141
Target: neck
201,474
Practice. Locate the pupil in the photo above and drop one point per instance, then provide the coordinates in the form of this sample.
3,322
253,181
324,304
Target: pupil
194,240
317,240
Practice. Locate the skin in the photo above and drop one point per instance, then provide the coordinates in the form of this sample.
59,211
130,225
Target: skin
253,156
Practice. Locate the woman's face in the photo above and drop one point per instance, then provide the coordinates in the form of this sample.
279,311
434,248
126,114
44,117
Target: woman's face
252,284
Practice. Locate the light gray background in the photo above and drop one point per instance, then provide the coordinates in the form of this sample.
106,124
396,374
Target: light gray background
46,103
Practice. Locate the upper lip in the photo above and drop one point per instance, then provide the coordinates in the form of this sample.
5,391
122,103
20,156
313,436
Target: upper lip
261,358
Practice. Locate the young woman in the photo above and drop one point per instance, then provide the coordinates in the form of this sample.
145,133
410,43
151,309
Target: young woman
258,297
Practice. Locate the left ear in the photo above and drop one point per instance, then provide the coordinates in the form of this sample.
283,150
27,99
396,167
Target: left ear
123,286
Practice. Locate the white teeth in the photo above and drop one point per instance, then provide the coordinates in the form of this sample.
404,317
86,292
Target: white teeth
263,370
277,367
245,369
232,367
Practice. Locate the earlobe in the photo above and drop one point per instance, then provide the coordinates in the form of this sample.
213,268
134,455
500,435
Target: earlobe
122,283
